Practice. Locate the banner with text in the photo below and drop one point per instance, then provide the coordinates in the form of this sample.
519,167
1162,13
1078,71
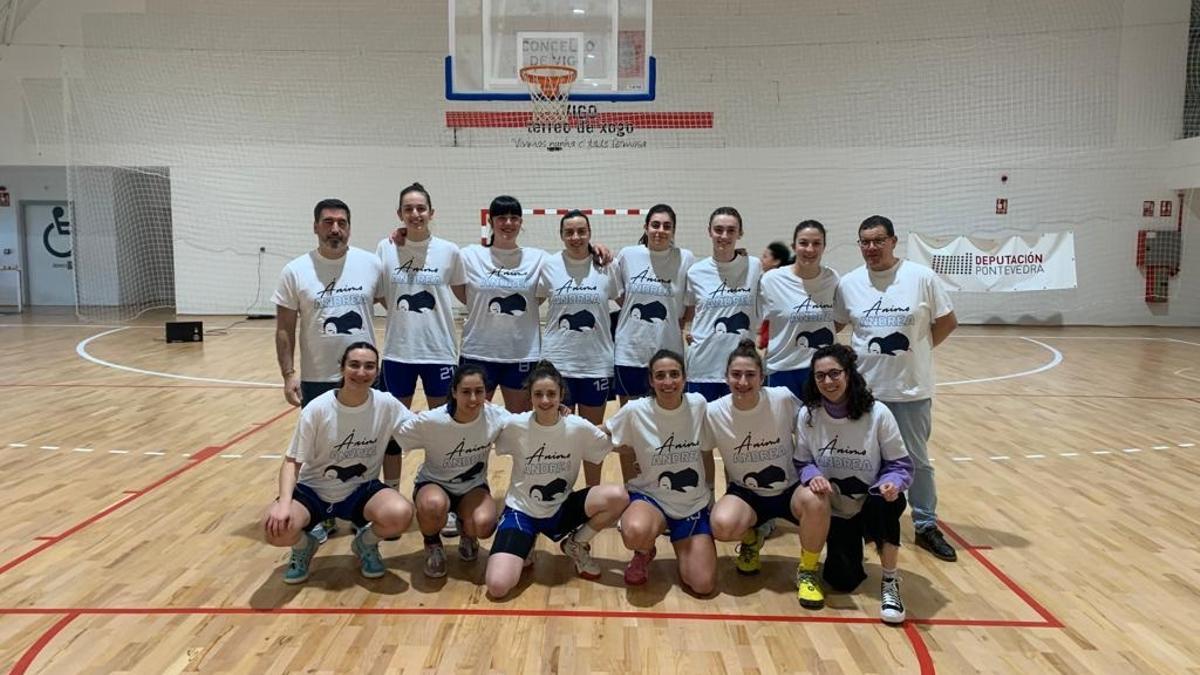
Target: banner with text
986,265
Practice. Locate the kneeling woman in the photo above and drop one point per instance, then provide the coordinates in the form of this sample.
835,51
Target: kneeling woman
329,469
753,428
457,438
547,448
843,421
670,441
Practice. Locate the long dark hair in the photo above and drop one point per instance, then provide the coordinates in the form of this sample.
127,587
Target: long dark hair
659,208
545,370
659,356
781,252
461,373
859,398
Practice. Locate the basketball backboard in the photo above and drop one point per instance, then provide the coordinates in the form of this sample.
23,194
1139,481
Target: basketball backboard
607,41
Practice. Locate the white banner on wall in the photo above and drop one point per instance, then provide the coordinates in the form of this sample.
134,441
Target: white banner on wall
1039,263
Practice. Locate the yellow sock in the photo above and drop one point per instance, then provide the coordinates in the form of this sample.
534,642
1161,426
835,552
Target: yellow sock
809,559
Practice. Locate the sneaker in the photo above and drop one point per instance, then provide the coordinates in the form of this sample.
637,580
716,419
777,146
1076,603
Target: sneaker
747,553
891,607
581,553
932,540
450,529
468,549
638,569
302,554
435,561
370,562
767,528
319,533
808,590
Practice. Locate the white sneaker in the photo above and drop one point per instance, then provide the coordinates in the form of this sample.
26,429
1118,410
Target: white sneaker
450,529
581,554
891,607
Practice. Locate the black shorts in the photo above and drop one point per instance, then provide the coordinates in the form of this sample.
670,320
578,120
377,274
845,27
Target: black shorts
877,522
455,500
517,531
766,508
350,508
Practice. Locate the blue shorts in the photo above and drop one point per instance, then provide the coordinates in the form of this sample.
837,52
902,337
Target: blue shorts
632,381
455,500
767,508
591,391
517,531
510,375
792,379
350,508
679,528
401,378
711,391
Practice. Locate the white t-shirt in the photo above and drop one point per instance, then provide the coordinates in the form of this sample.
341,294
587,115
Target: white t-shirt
577,339
546,460
726,299
502,310
892,313
757,445
850,453
456,454
668,445
333,298
654,284
418,277
800,312
341,447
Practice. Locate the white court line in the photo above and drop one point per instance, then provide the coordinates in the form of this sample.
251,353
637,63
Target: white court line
999,458
1056,359
271,457
1068,454
84,450
1035,457
1161,447
118,452
1187,445
154,453
961,459
1131,450
1181,371
231,456
1182,342
1102,452
81,350
49,447
17,445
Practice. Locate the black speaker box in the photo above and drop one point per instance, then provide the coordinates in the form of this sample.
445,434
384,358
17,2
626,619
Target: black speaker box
185,331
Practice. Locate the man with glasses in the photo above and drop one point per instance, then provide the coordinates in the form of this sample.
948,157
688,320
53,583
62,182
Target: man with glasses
899,311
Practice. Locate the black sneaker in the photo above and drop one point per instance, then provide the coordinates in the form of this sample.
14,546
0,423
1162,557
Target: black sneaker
932,540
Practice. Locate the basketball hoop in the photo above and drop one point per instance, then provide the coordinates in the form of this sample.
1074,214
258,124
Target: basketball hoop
549,88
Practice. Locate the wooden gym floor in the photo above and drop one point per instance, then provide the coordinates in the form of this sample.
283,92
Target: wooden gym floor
134,474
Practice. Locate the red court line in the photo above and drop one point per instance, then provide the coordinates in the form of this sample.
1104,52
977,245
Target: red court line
194,461
918,645
36,648
1051,621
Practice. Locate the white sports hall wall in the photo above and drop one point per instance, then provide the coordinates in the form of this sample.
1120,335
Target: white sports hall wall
825,109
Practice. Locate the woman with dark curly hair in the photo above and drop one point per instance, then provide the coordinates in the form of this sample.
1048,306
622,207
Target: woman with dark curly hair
849,447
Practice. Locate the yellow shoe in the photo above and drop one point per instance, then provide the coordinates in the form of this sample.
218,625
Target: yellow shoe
747,561
808,590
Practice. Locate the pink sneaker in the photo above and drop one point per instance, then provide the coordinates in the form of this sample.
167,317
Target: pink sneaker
638,569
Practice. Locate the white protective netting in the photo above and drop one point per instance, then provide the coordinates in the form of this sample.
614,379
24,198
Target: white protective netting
200,133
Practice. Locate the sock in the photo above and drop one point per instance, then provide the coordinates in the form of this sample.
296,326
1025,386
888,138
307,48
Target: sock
809,559
433,539
306,540
368,536
584,534
889,573
393,483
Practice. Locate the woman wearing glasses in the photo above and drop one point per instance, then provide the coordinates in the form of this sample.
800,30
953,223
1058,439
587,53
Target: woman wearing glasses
797,302
849,449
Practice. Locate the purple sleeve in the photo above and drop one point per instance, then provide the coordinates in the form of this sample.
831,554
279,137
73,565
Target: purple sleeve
899,472
808,471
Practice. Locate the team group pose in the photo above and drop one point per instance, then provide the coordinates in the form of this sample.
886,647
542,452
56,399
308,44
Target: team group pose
829,437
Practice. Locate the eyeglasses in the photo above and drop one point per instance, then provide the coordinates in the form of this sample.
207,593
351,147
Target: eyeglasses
831,375
873,243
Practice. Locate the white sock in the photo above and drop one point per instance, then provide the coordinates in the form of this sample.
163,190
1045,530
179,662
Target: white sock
584,534
889,573
368,535
393,483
